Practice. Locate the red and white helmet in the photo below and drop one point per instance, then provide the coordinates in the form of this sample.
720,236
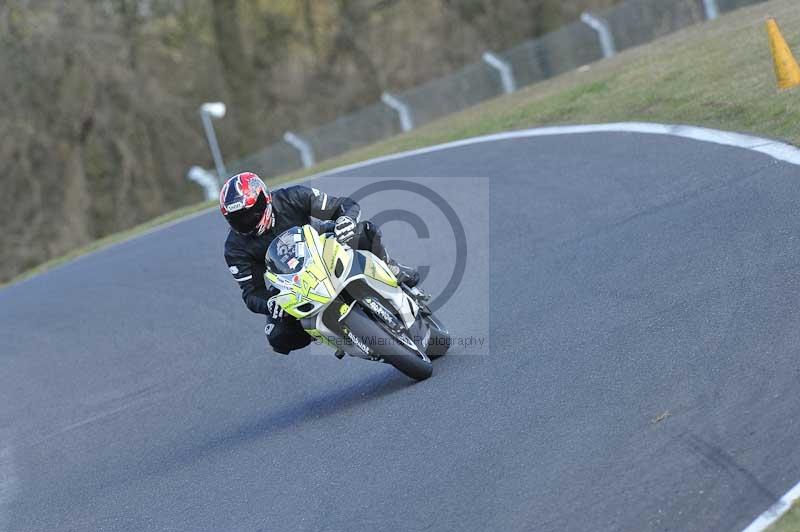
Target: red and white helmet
246,202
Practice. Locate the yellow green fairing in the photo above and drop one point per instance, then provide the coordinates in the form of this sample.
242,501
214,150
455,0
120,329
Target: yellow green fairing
332,250
379,272
313,285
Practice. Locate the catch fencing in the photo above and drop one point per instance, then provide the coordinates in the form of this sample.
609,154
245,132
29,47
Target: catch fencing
593,37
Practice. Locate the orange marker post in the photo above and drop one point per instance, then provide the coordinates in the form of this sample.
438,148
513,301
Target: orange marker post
786,68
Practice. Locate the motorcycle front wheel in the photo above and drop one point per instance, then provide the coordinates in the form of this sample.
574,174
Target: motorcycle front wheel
406,360
440,340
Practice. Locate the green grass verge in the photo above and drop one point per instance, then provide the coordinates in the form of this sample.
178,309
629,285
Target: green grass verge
790,522
717,74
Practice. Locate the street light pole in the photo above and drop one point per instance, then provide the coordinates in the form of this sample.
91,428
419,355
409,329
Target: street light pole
208,111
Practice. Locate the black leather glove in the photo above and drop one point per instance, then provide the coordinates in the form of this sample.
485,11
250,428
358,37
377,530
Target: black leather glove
274,309
345,229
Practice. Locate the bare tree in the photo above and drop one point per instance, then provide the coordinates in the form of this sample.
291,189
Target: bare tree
101,96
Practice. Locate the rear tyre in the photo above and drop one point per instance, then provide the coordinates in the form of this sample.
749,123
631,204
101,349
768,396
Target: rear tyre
391,350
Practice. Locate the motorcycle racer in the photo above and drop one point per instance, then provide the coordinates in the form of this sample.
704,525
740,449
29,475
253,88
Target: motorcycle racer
257,215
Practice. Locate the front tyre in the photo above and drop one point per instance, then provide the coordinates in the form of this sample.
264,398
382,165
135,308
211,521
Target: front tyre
384,343
439,341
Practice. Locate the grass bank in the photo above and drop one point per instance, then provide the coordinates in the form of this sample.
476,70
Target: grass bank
717,74
789,522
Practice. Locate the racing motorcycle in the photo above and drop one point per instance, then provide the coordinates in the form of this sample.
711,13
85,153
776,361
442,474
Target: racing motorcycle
350,300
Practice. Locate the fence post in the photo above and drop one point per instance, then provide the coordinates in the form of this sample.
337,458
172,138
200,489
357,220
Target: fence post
603,32
301,145
205,179
504,68
402,108
712,11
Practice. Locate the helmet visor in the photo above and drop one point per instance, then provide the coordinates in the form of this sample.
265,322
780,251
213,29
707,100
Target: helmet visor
246,220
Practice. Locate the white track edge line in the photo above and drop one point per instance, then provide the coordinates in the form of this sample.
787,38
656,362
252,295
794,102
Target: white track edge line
776,511
773,148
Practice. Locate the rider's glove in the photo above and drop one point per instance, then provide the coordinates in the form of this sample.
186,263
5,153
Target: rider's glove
345,229
274,309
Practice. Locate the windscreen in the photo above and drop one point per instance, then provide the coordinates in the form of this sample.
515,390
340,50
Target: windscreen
286,254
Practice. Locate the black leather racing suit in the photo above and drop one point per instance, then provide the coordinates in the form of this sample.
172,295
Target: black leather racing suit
293,206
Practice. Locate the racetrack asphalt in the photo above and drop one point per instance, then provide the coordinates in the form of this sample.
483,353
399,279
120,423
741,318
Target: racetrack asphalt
644,302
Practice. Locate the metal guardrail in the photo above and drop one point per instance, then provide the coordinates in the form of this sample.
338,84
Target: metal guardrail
595,36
